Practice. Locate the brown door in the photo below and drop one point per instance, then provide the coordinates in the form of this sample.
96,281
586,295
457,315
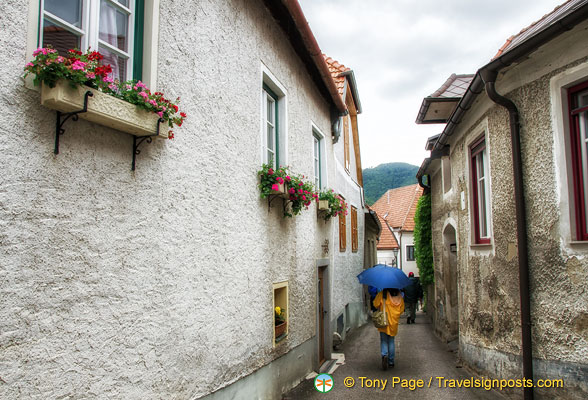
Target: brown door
322,313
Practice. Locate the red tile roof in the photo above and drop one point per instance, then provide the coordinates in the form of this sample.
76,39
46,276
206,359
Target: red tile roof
337,69
397,207
548,19
387,239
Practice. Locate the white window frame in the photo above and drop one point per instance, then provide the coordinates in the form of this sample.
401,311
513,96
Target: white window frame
559,85
150,37
268,79
480,130
318,134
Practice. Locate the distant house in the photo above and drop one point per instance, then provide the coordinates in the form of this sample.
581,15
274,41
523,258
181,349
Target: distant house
509,182
396,209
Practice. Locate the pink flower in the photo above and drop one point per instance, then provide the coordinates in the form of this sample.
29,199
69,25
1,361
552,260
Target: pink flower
303,197
90,75
291,191
160,114
59,59
275,187
141,85
300,191
107,79
40,50
270,172
144,95
113,87
78,65
300,184
153,103
280,180
30,64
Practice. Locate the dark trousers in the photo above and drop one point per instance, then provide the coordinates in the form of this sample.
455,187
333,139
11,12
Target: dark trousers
411,310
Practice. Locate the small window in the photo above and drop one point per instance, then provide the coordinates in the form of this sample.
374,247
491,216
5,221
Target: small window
480,192
578,110
317,160
354,233
280,311
410,253
342,232
270,112
109,26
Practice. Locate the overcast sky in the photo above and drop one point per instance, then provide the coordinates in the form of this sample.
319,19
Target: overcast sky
403,50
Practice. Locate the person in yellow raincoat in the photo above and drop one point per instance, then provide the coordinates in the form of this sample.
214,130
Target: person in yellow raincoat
394,308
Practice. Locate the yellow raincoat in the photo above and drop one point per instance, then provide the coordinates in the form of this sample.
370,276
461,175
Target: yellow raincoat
394,308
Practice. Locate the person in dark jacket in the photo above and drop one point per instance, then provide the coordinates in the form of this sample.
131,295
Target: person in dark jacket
412,294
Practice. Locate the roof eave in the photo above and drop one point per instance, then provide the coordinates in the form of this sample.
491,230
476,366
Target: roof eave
288,14
513,55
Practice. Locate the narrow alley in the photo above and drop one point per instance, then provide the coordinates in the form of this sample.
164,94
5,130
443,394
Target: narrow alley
419,355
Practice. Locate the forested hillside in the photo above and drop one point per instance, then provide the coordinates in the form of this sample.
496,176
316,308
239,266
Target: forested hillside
377,180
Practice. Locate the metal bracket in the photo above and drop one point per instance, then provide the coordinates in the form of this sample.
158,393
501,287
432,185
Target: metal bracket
61,118
138,140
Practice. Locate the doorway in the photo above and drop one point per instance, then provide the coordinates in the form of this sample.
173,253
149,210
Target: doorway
322,313
450,275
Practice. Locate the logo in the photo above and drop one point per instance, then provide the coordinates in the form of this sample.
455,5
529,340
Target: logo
323,383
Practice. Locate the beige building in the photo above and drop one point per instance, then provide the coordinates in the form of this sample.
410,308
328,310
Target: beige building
508,179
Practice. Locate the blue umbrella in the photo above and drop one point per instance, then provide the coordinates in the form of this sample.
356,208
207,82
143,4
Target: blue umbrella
382,276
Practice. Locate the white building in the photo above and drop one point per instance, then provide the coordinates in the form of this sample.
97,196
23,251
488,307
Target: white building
161,282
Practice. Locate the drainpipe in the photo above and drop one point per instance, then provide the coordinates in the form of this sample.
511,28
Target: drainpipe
489,78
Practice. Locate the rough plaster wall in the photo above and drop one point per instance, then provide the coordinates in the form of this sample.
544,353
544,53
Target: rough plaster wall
158,283
488,279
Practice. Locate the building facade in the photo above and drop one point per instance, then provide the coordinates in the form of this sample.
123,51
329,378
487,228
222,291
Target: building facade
512,290
161,282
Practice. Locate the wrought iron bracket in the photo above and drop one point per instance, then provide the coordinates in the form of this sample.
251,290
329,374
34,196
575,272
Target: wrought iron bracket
62,117
138,140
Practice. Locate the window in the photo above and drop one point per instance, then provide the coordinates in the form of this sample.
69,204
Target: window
317,160
578,112
410,253
480,198
346,141
342,232
270,112
280,300
113,27
354,239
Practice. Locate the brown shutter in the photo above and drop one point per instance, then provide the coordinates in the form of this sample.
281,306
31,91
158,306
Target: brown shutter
342,233
354,238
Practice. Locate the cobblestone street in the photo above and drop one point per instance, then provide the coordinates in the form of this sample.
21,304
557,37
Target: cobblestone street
419,355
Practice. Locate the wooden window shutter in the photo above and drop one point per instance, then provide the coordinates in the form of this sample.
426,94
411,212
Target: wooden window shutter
354,236
346,141
342,232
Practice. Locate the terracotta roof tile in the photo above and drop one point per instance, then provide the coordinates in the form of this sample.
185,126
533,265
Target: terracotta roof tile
336,69
397,206
387,239
547,20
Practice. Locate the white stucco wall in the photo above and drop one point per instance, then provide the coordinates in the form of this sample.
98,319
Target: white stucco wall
158,283
407,266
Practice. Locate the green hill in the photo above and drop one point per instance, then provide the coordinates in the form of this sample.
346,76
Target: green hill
377,180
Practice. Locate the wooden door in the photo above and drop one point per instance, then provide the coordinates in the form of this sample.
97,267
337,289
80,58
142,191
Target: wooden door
322,314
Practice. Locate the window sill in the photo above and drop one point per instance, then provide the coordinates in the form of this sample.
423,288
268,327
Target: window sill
579,243
481,246
102,109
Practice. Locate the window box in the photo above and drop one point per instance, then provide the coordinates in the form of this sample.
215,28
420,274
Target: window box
102,109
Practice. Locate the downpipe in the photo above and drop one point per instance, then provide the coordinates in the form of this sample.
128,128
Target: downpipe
489,78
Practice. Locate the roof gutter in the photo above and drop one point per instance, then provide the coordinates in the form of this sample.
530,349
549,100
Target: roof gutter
486,78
